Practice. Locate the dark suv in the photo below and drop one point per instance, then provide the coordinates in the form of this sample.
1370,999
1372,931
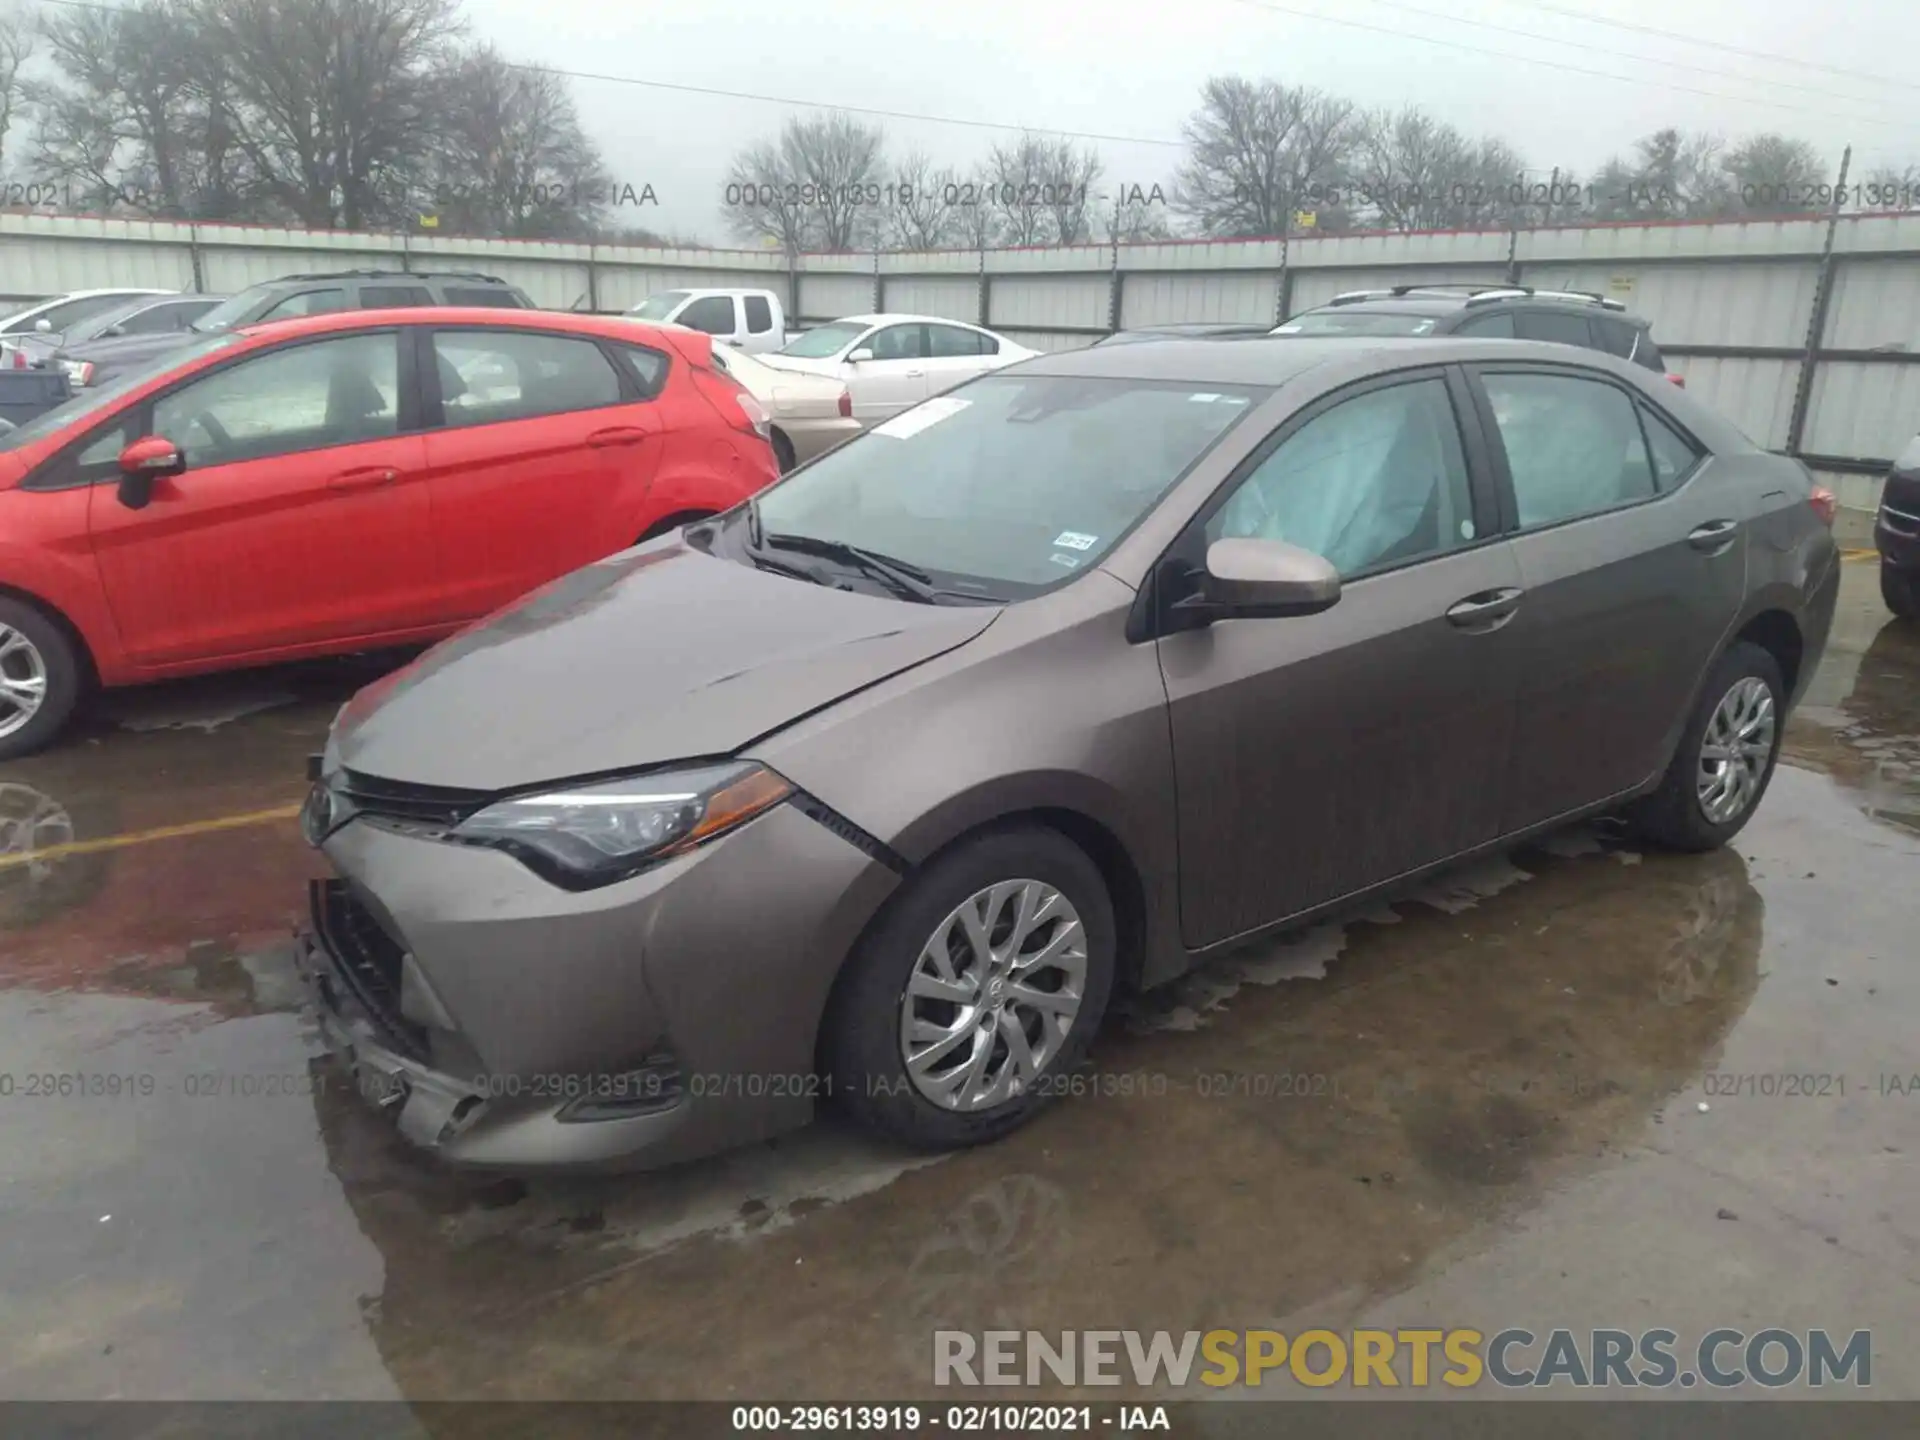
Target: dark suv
1501,312
292,296
1896,534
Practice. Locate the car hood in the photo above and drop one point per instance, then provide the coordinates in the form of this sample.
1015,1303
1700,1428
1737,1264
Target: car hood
120,349
659,654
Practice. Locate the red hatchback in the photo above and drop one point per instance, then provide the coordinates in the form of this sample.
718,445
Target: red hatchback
344,482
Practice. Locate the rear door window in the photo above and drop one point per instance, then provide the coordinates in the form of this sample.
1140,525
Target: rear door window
496,297
308,302
759,314
1616,337
491,376
1554,325
899,342
1573,445
394,297
1495,327
950,342
711,313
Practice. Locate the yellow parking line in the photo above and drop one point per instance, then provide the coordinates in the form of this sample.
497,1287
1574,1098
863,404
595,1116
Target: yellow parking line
1853,557
142,837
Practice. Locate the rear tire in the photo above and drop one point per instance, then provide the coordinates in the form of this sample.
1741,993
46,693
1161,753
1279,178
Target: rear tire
41,677
1725,759
1013,999
782,451
1901,590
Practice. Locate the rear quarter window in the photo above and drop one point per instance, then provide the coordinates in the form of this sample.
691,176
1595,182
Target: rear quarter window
497,297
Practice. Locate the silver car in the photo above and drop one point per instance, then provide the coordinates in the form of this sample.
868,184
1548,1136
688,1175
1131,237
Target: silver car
876,788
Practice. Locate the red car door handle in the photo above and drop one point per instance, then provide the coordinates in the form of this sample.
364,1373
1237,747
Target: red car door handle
369,477
616,435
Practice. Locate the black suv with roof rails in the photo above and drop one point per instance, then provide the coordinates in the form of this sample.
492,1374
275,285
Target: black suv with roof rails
292,296
1505,312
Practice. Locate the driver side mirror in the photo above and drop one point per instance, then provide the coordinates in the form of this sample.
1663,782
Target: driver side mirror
143,462
1260,579
865,352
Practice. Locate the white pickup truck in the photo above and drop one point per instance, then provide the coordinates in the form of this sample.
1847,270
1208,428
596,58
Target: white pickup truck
749,320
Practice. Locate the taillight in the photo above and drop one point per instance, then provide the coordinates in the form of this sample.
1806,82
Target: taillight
846,404
19,358
1825,504
1679,380
758,420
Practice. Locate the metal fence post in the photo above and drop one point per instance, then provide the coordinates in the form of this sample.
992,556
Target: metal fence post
986,292
1817,322
1283,290
879,285
193,259
593,281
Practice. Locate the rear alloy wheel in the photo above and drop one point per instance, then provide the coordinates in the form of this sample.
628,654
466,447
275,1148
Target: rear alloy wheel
984,985
39,679
1901,590
1725,758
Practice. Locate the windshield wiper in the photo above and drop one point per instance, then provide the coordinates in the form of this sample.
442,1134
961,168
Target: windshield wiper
903,579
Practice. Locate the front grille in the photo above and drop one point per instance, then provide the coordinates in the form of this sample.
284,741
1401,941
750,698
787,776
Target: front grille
421,808
368,960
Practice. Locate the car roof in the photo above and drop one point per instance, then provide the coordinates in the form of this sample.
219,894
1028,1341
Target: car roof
1274,360
618,327
892,317
1431,304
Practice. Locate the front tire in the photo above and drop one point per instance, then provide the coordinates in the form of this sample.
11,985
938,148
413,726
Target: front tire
979,990
40,679
1901,590
1725,758
782,451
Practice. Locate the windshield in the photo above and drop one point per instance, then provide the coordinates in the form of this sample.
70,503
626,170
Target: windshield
230,312
827,340
98,399
658,307
1358,322
1011,485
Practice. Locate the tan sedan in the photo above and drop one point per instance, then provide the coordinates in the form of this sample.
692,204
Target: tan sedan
810,413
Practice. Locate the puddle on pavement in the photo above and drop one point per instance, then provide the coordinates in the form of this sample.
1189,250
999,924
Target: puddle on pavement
1867,736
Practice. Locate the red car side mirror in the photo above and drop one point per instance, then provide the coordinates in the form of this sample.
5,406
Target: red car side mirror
144,461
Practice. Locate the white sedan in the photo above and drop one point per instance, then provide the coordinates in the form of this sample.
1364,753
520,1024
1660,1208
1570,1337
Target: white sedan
891,362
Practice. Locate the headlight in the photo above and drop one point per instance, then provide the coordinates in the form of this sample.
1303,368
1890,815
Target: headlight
592,835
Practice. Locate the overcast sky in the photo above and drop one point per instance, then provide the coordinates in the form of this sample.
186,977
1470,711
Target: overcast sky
1134,67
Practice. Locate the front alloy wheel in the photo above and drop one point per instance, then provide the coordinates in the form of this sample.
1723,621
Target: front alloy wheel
985,978
23,680
994,995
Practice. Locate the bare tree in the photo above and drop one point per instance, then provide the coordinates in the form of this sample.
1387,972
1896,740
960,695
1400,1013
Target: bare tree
334,100
1413,172
762,199
836,158
976,222
1014,176
1672,175
922,211
1777,175
513,159
16,49
1070,173
1888,187
1257,151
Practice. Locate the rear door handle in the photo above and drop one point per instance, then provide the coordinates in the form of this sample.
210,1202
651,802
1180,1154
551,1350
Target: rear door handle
369,477
1487,610
1713,536
616,435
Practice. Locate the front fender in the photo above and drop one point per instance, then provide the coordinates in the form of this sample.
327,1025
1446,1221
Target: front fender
59,575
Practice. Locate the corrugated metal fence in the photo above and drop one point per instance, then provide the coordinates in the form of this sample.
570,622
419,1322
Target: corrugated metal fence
1807,351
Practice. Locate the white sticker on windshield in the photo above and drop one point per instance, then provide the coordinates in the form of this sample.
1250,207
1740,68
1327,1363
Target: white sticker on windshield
930,412
1074,540
1206,399
1423,327
1072,562
1288,329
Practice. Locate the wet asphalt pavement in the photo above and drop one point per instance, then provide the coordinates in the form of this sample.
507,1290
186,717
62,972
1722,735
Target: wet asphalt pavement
1482,1106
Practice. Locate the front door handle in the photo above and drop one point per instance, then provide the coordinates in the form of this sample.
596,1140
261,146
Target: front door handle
915,374
1714,536
616,435
369,477
1485,611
